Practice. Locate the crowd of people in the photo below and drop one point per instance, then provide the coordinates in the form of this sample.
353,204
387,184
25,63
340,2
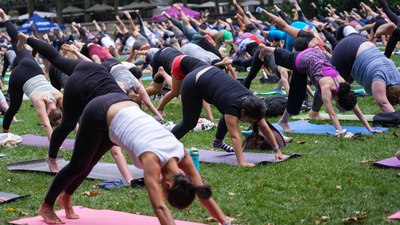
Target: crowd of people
90,82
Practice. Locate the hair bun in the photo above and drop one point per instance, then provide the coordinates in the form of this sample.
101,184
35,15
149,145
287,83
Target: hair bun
203,191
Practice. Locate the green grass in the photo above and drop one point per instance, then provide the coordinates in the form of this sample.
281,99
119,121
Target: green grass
329,180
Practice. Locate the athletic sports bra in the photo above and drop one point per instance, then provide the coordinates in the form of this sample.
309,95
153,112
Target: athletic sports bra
39,83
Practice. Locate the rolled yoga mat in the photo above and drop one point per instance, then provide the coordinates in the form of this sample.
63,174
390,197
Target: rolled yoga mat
89,216
230,158
101,171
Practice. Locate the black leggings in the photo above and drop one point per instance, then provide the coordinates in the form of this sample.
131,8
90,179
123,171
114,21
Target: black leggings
298,84
92,142
192,103
26,68
58,79
87,80
395,37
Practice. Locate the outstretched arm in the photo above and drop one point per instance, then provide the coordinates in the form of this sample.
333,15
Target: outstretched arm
189,169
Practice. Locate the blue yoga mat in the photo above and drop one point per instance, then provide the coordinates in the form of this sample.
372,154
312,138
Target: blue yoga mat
274,92
304,127
147,78
1,120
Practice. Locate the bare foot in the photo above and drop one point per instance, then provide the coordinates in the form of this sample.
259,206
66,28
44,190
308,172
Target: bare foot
285,126
22,38
223,62
53,166
64,200
315,115
48,214
3,15
263,51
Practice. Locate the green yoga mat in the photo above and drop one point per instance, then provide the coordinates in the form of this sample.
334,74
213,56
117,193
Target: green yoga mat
350,117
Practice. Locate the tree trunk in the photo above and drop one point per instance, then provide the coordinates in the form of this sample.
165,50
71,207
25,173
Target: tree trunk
60,6
116,4
87,16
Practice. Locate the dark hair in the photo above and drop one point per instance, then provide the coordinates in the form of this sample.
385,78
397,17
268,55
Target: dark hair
183,192
346,98
136,71
254,107
85,50
55,117
393,94
301,43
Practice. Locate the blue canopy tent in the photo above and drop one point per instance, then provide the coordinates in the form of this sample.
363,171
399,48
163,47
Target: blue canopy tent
41,25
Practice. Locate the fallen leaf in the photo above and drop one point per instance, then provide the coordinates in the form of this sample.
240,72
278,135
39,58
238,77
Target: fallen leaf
349,181
398,175
23,213
395,134
211,219
231,193
317,222
325,218
367,161
353,219
315,142
339,187
300,142
11,210
9,180
90,193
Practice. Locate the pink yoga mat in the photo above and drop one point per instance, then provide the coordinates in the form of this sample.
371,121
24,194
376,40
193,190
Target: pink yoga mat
40,141
100,217
395,216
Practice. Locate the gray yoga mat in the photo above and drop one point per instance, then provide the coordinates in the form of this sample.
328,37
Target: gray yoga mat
102,171
41,141
8,197
230,158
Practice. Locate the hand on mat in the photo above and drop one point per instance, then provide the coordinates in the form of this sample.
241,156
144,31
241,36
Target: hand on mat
375,131
248,164
280,156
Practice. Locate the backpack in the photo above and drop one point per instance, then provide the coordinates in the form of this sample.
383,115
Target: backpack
276,106
387,119
256,139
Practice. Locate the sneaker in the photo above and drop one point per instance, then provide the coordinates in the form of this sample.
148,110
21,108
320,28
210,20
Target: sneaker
222,145
260,10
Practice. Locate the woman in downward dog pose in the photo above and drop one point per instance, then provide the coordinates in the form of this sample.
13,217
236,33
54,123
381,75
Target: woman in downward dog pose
87,80
312,63
27,77
114,119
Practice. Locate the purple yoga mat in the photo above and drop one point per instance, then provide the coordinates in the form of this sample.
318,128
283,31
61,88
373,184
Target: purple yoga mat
40,141
230,158
390,163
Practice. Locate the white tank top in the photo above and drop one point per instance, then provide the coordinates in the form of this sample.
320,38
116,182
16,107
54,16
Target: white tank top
136,132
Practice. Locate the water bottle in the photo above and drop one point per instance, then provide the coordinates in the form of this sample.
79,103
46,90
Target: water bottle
195,156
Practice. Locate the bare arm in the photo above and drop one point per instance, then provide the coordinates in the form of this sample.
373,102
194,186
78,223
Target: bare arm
146,99
40,107
267,132
326,95
188,168
379,93
233,128
152,171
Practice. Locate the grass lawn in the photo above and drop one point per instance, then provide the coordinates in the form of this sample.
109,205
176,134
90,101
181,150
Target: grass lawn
328,185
